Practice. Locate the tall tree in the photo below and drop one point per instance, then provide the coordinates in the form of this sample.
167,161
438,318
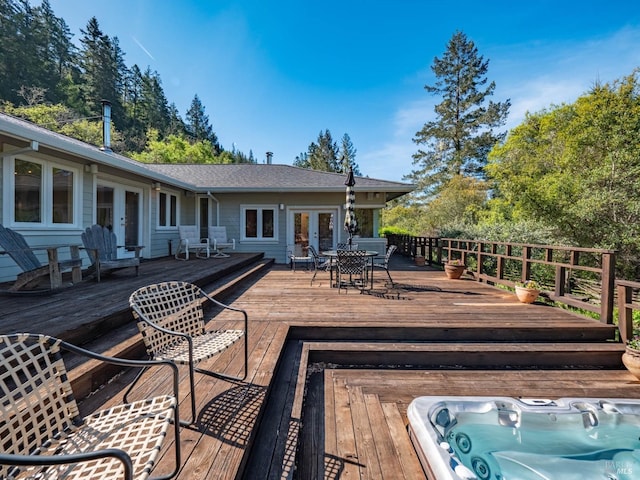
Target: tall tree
198,125
459,140
348,156
321,156
576,167
101,60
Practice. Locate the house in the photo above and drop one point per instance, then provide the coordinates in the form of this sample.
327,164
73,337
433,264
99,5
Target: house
53,187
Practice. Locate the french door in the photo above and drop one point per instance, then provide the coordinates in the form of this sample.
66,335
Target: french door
119,207
312,227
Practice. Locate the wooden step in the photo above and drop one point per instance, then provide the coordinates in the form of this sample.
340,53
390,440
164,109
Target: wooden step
466,332
468,354
86,376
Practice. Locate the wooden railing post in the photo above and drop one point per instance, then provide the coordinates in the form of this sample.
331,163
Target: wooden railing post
608,285
625,312
526,266
480,246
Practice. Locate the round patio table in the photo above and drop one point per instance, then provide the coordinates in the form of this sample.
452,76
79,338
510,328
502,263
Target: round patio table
333,255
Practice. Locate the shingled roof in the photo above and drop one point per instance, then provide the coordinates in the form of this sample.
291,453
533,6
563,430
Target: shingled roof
270,177
202,177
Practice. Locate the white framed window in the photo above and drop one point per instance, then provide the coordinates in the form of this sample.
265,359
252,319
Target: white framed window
259,222
167,210
42,193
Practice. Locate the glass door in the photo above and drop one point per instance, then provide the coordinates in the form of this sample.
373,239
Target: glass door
312,227
119,208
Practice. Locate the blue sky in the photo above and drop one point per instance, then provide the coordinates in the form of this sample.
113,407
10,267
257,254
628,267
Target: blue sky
273,75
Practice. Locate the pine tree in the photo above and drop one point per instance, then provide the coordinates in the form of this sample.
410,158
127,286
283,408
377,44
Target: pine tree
323,156
198,124
348,156
459,140
102,62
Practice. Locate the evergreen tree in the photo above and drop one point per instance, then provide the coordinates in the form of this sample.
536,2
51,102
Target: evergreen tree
323,155
101,61
198,124
348,156
57,51
176,124
459,140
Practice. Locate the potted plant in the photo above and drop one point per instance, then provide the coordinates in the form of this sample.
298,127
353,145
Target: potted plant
454,269
527,292
631,356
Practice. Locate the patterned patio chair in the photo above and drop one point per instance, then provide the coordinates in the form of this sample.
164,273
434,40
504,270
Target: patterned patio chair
190,241
319,262
44,436
352,269
345,246
171,320
385,263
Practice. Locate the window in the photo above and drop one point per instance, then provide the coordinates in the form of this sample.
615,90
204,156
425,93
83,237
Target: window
167,210
259,223
43,193
364,216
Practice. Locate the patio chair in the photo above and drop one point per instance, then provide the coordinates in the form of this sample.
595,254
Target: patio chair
190,241
33,272
345,246
295,254
352,269
171,320
385,263
319,262
102,245
218,235
43,434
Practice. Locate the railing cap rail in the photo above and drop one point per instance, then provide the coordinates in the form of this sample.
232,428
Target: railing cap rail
515,244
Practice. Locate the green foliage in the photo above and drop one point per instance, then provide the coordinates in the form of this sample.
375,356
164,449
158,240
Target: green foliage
326,156
576,167
406,219
61,119
175,149
392,230
198,124
40,66
458,141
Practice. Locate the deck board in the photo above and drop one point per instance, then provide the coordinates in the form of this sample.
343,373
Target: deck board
352,421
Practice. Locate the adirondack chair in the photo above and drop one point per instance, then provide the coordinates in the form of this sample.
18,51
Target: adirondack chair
34,272
102,245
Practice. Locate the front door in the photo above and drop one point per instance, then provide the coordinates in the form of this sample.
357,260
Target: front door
120,208
312,227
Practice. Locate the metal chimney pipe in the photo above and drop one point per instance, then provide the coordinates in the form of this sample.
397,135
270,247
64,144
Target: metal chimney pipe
269,157
106,126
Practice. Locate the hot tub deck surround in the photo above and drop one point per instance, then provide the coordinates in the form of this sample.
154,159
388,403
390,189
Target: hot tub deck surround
331,376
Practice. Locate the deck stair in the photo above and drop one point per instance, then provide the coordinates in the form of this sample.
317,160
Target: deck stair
125,341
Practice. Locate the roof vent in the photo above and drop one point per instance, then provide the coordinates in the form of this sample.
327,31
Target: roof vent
269,157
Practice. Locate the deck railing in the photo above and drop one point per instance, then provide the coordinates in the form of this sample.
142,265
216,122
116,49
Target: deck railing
579,277
627,292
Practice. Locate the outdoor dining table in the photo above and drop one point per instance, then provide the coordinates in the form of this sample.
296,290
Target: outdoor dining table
333,255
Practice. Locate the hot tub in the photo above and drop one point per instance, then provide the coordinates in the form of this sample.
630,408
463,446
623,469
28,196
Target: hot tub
503,438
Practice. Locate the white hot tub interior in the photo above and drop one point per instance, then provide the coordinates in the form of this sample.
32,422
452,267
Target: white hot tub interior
500,438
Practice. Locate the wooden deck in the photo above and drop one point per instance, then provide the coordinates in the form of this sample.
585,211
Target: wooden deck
331,375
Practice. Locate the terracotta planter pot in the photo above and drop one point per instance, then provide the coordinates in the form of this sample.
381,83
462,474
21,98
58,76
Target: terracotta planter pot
631,360
454,271
419,259
527,295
